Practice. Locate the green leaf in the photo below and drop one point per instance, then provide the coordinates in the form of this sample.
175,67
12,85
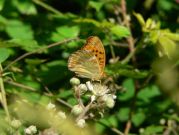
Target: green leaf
172,36
123,114
147,93
28,45
167,46
120,31
65,94
16,29
119,69
154,129
25,7
96,5
140,19
1,4
128,85
113,121
4,54
138,118
99,128
64,32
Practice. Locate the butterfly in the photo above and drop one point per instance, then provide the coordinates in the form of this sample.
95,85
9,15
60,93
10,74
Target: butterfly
89,62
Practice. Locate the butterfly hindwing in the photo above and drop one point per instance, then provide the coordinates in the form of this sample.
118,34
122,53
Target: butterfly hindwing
84,64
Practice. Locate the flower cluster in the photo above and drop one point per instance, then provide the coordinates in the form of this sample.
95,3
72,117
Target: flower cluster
100,98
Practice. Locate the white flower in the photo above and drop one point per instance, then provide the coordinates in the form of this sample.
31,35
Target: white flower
110,102
82,88
89,85
100,90
51,106
81,123
16,123
31,130
62,115
93,98
77,109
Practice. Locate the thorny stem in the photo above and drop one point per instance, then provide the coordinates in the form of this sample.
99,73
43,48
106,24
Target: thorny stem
40,50
3,94
132,50
130,39
84,111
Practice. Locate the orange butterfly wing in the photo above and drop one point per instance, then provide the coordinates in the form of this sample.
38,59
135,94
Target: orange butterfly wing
89,62
95,46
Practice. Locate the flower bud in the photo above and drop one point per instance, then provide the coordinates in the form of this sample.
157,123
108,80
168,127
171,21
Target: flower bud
74,81
110,102
81,123
62,115
77,109
31,130
51,106
82,88
162,121
141,130
16,123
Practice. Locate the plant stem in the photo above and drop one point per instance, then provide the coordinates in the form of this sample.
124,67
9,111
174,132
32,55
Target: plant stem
47,7
3,94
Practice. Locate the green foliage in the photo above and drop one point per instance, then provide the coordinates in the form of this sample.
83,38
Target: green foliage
142,59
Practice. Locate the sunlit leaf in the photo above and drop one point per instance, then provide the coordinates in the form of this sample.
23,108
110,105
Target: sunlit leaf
140,19
147,93
123,114
120,31
167,46
138,118
96,5
128,85
16,29
4,54
172,36
25,7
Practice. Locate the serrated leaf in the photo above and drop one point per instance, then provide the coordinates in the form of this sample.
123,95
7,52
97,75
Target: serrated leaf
154,129
113,121
16,29
123,114
96,5
172,36
147,93
138,118
128,85
28,45
4,54
140,19
118,69
25,7
167,46
99,128
64,32
120,31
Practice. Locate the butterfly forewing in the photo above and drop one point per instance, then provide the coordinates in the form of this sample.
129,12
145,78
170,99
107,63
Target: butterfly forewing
89,62
95,46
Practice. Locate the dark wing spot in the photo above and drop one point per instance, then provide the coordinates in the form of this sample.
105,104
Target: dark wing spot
101,52
96,50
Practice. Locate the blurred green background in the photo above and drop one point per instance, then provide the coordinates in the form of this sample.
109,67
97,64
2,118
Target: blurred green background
148,100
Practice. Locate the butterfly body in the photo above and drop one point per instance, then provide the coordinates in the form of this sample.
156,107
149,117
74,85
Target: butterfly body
89,62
